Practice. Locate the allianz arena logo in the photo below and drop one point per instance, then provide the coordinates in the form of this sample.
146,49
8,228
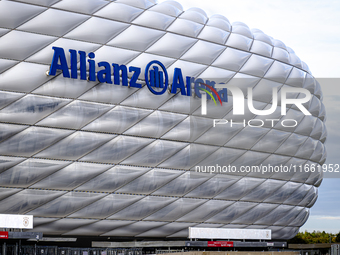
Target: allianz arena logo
157,81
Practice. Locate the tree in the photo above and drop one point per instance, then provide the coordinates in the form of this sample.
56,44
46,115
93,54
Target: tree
337,239
298,238
314,237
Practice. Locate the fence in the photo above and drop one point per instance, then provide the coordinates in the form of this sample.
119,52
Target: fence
54,250
168,251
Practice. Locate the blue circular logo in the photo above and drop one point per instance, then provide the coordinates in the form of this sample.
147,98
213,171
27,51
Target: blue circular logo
156,78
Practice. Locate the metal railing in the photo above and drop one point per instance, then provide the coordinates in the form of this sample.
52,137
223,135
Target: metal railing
54,250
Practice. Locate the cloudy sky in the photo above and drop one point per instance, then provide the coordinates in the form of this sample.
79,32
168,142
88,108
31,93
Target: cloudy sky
312,29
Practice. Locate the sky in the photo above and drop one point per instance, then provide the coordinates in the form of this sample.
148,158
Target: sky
312,29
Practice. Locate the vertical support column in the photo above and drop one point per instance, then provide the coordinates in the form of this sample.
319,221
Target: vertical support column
19,250
4,249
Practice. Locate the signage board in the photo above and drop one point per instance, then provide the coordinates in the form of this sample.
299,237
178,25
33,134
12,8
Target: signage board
25,235
16,221
229,233
3,235
220,244
196,243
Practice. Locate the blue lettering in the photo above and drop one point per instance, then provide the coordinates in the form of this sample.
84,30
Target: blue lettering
189,80
116,69
223,93
92,67
212,84
73,59
59,56
177,82
82,55
158,75
104,75
134,78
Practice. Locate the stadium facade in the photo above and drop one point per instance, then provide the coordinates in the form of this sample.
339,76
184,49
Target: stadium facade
89,157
